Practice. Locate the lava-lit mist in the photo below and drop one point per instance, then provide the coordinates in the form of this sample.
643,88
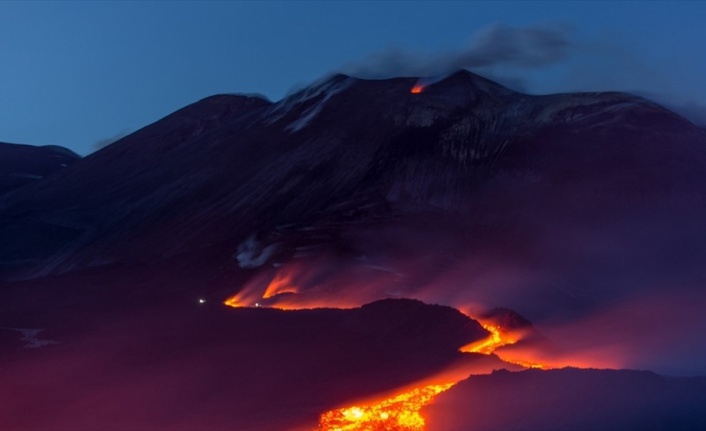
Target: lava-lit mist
635,330
588,297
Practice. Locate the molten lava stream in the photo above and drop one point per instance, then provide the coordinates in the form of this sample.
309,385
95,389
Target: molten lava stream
396,413
497,339
399,413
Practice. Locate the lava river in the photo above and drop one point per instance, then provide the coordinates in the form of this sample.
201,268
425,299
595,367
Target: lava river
399,411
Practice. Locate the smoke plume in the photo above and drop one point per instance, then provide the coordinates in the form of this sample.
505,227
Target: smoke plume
510,55
495,45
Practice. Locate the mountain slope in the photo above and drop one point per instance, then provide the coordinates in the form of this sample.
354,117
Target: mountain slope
491,163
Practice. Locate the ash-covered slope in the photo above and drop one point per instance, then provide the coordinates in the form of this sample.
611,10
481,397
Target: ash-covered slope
24,164
348,150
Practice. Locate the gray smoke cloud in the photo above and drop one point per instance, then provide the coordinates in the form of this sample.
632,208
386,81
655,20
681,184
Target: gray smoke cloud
520,57
497,45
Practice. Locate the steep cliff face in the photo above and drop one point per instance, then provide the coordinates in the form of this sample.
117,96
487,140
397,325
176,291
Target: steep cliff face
346,150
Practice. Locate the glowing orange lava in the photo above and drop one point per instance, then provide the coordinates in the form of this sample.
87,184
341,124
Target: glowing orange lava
418,88
488,345
396,413
399,413
497,339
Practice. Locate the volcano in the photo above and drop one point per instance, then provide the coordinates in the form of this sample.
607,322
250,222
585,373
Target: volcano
354,151
581,213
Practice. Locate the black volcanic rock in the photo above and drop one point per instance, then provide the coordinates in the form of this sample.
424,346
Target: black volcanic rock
24,164
571,399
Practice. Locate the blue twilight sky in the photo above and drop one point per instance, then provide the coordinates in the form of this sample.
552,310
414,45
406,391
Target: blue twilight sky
80,73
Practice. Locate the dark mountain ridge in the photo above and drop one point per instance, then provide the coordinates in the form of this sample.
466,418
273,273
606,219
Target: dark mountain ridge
226,167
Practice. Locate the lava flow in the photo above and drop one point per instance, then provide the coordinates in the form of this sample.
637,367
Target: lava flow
399,413
488,345
418,88
498,338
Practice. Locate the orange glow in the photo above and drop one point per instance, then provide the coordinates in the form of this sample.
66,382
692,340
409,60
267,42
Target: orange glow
286,288
401,412
236,301
398,413
418,88
487,346
499,338
267,291
233,302
303,285
263,289
282,283
527,364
